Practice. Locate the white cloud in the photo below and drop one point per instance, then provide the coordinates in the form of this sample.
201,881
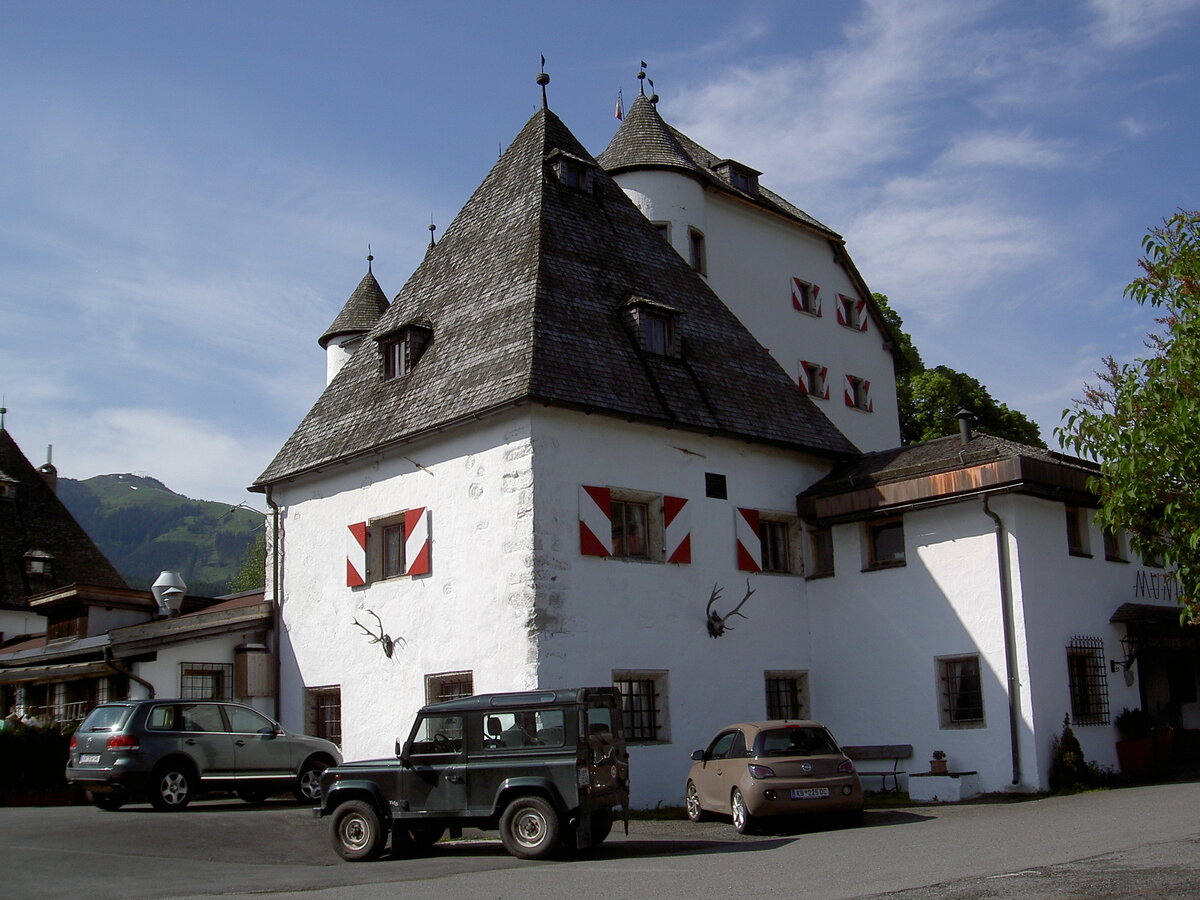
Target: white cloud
1019,150
1134,24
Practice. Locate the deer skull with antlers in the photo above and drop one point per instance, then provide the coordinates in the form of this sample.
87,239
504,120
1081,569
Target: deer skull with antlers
717,623
387,641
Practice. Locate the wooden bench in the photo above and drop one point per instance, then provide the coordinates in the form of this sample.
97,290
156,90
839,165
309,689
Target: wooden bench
894,752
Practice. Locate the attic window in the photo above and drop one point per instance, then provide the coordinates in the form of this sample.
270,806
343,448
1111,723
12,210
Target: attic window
402,349
38,562
573,172
743,178
656,327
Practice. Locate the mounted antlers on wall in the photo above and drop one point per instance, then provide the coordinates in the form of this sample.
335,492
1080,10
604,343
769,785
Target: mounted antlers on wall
717,623
389,643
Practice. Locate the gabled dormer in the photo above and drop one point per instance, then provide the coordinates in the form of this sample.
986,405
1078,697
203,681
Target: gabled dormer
655,326
572,171
400,350
737,176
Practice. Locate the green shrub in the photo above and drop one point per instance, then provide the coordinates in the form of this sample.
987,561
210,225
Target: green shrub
34,758
1069,771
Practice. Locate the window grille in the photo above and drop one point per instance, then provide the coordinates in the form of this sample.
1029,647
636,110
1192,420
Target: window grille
1088,681
639,708
962,691
206,681
449,686
325,713
786,696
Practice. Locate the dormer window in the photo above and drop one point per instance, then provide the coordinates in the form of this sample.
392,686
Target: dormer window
8,486
743,178
402,349
655,326
572,171
39,562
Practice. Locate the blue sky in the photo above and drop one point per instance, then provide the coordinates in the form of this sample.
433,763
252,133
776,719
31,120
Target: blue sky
187,191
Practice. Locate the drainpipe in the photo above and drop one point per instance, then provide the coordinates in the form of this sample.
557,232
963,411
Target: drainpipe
1010,654
122,669
276,613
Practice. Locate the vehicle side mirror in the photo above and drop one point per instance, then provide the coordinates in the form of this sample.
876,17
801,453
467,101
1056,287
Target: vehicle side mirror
400,754
698,755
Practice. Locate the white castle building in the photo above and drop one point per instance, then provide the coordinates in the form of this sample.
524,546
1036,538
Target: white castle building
621,385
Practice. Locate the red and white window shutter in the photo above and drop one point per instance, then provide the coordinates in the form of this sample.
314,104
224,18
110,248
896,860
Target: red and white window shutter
814,296
863,318
356,554
595,521
814,387
749,547
858,393
678,527
417,552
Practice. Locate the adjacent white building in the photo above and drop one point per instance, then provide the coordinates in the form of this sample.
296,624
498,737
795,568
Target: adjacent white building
617,390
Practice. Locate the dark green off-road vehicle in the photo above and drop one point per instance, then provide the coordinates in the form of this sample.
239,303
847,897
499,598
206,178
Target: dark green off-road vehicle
546,768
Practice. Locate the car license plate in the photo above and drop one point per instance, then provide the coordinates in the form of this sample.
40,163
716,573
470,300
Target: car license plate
89,759
809,793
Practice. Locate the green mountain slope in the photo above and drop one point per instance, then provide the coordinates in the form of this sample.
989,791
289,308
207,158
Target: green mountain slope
144,528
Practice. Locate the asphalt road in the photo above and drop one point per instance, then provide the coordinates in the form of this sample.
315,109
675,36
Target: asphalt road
1126,843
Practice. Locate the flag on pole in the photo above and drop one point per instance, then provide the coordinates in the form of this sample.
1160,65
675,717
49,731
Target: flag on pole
619,112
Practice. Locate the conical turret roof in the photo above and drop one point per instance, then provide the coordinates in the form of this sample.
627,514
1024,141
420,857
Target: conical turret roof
361,312
527,297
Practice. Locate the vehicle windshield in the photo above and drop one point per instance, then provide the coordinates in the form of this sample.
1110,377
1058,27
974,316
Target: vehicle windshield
796,741
106,718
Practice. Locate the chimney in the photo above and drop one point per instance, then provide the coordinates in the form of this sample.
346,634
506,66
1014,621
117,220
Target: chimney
49,473
965,418
169,589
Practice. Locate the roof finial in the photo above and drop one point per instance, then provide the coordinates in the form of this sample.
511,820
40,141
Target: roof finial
432,229
369,259
642,79
543,79
3,410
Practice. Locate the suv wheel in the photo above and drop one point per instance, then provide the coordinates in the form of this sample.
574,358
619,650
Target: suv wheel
691,800
529,828
357,833
172,787
308,785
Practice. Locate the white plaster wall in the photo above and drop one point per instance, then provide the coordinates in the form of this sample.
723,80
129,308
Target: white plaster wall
15,621
599,615
163,672
472,612
338,352
1064,596
752,257
881,633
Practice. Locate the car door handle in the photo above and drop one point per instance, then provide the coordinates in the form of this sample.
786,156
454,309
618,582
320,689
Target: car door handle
455,779
190,742
240,742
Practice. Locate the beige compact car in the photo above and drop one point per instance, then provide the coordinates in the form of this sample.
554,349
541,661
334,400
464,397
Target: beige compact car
779,768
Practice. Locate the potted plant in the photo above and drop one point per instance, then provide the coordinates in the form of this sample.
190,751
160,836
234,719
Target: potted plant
937,765
1135,749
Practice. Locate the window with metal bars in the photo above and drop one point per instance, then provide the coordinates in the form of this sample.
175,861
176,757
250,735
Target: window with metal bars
1088,681
962,692
787,695
325,713
642,696
449,686
206,681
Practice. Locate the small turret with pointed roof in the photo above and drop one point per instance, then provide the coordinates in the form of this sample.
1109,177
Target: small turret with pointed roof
361,313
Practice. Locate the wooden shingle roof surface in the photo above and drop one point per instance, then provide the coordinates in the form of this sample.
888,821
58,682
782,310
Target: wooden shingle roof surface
32,518
366,305
526,296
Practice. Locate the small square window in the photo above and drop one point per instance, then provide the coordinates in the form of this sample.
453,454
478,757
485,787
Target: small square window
858,394
715,486
643,705
804,297
820,552
449,686
812,380
787,695
656,334
663,228
1077,532
885,543
775,539
1114,546
961,692
630,536
848,312
206,681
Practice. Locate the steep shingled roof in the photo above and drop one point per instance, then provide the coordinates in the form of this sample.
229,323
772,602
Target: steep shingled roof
646,141
364,308
33,518
526,294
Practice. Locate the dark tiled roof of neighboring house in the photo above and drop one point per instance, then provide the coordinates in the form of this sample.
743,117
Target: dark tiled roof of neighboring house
526,297
364,308
32,518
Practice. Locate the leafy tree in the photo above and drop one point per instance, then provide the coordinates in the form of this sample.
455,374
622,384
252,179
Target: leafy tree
252,574
931,398
1140,421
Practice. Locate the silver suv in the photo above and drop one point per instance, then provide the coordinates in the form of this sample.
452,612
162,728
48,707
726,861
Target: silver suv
169,750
